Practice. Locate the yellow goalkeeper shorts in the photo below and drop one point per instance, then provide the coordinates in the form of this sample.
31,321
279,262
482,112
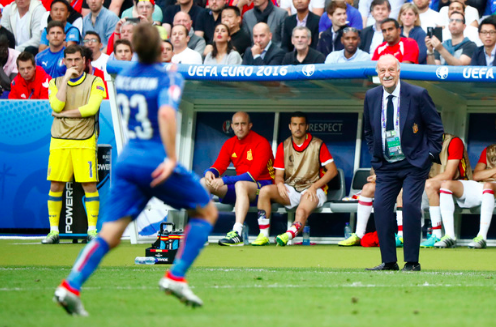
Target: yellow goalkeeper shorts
63,163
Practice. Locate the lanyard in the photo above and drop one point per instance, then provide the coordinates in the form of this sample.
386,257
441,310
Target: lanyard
384,113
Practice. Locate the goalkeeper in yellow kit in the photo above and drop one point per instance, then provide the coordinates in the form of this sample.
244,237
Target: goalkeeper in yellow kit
75,99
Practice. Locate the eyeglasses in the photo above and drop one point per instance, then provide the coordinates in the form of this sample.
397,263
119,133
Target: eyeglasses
456,20
492,33
350,29
90,41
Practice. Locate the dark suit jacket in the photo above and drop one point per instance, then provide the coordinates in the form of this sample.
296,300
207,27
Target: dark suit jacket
366,36
326,45
290,24
479,57
420,125
273,56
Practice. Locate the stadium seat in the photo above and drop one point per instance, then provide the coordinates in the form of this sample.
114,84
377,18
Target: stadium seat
359,180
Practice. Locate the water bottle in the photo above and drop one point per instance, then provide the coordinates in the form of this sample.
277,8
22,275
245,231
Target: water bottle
145,260
347,231
306,235
245,233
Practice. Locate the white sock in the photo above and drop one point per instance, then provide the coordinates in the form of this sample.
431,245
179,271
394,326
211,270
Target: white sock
54,229
238,228
363,214
264,224
399,221
486,215
90,228
435,213
293,230
447,212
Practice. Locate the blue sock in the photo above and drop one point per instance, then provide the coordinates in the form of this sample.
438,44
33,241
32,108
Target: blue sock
87,262
194,238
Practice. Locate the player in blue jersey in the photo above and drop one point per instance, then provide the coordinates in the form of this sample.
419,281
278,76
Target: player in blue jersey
148,96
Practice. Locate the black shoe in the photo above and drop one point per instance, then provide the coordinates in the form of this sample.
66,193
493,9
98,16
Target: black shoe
386,266
411,266
232,239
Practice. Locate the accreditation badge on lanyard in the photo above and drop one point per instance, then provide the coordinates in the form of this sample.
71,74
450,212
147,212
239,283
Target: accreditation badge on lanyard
393,141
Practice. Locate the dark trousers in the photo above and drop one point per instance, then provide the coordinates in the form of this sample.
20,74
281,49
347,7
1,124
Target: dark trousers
391,177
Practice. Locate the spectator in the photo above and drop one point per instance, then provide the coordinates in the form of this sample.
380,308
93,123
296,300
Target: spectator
263,51
354,17
209,19
100,20
371,36
167,51
223,52
404,49
75,17
196,43
350,40
116,6
123,50
60,11
8,64
315,6
145,9
231,16
98,59
264,11
123,30
245,5
369,20
183,54
428,17
485,55
303,17
52,58
471,14
31,82
9,35
330,40
303,53
90,69
22,18
157,15
457,51
186,6
410,23
470,31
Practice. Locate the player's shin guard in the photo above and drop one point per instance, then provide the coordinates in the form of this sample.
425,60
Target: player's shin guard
293,230
92,208
195,236
486,214
263,223
87,262
447,212
435,213
399,220
54,207
364,210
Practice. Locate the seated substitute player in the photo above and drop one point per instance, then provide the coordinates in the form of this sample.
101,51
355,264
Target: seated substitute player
75,99
303,167
469,194
251,156
455,165
364,210
147,167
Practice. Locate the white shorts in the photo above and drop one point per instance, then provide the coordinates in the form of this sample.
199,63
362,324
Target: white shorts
472,194
295,197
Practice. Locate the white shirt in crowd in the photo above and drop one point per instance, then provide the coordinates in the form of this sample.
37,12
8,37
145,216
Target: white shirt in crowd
430,18
78,23
188,56
22,33
364,9
471,14
101,62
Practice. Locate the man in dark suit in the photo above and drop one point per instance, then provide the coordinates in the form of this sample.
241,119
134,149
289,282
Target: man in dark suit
404,135
371,36
485,55
263,51
264,11
303,17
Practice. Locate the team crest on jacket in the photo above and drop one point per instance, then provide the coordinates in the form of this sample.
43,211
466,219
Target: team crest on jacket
415,128
249,155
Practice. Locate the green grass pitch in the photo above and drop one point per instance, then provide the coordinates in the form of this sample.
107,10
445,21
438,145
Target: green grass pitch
249,286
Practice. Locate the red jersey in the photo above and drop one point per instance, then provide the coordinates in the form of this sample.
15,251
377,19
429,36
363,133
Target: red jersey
76,4
245,7
99,73
252,155
405,50
37,89
483,157
325,155
455,152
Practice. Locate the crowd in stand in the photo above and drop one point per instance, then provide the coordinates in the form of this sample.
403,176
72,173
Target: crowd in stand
235,32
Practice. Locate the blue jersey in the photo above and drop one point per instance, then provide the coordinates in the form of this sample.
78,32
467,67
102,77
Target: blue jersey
52,62
71,34
141,91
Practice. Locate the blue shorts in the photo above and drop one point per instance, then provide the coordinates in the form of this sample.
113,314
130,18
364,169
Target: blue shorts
130,191
230,197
